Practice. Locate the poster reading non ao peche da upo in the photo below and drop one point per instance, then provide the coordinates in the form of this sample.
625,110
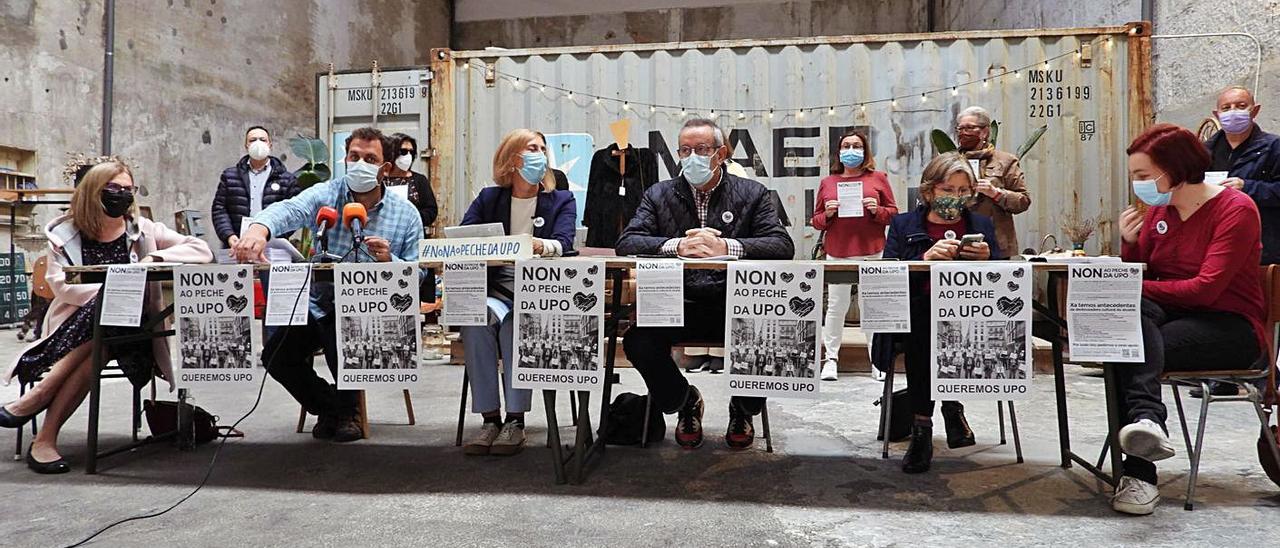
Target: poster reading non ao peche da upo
559,325
771,332
379,335
980,315
213,305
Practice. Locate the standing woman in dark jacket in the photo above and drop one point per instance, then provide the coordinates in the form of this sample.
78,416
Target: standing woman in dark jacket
255,182
414,185
932,233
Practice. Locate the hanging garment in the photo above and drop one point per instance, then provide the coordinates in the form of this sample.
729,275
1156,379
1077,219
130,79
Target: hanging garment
612,197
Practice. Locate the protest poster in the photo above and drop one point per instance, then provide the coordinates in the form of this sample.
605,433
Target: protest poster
126,284
1104,312
466,287
379,335
288,294
849,194
214,310
659,293
771,332
981,320
559,325
884,298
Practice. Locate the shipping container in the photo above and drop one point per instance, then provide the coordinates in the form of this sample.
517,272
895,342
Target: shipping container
396,100
784,102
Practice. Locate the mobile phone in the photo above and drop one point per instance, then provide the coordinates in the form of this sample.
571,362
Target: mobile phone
970,239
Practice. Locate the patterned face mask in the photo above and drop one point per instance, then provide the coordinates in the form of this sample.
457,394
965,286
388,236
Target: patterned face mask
947,207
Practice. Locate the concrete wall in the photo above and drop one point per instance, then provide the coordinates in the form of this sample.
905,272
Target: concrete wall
190,77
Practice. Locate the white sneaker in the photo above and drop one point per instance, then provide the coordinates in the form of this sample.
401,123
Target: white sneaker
1146,440
1135,496
830,371
483,442
509,441
877,374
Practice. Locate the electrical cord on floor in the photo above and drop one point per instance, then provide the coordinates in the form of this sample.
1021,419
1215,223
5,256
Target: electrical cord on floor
214,460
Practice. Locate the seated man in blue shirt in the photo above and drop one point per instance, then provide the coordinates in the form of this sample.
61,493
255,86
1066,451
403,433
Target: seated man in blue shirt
391,234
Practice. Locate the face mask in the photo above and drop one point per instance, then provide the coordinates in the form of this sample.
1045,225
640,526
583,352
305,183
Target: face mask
258,150
405,161
1235,121
534,168
851,157
1149,193
362,177
947,207
696,169
116,204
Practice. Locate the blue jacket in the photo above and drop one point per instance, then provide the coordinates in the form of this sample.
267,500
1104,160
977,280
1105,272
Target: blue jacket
557,209
1259,165
907,241
231,201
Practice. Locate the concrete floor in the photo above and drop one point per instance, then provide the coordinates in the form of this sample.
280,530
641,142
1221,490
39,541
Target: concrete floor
825,484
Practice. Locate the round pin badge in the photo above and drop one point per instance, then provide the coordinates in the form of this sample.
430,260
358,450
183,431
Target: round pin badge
950,234
275,187
133,257
727,216
1162,227
538,222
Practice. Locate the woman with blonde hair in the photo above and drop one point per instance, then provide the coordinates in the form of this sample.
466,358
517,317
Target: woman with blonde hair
101,228
525,200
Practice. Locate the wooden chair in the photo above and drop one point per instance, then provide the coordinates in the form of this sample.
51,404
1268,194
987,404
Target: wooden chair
1245,379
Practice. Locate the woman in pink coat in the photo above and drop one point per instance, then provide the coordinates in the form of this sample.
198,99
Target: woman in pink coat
100,229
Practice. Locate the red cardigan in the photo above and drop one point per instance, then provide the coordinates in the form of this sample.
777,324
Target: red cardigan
1208,262
855,236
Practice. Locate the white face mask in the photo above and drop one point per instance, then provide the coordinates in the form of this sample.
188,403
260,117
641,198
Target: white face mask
258,150
362,176
404,162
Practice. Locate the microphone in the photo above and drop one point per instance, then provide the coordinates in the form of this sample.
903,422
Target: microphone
326,217
355,217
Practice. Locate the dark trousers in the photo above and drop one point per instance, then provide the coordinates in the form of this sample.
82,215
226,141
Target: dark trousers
649,350
915,348
288,355
1175,340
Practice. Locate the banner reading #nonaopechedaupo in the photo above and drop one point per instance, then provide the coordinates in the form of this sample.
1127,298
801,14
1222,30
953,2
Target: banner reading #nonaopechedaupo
379,335
980,322
559,325
213,307
771,332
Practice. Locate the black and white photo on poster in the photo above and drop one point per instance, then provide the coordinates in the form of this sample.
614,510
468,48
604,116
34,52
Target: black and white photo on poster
379,332
1104,312
213,305
771,332
559,325
980,317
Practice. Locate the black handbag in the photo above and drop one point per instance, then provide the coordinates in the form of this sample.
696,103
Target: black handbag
162,418
900,421
820,248
626,421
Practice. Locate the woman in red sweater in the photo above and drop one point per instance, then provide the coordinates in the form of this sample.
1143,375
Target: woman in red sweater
1202,303
852,237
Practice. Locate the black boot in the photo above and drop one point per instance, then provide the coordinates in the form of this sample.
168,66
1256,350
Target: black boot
920,453
958,432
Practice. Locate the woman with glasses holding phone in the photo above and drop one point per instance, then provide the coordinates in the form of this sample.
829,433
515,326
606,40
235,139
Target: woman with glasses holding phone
101,228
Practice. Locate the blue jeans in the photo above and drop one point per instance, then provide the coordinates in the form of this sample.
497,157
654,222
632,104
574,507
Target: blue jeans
484,344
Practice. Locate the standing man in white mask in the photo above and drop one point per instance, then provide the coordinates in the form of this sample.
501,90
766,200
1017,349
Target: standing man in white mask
253,183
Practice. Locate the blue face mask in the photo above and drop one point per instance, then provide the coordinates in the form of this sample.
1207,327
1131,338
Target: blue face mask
851,157
696,169
1147,191
534,168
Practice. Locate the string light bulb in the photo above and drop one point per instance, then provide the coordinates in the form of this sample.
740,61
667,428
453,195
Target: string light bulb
626,105
569,95
1017,74
466,65
597,100
653,108
742,115
893,103
985,83
955,92
770,114
800,114
924,98
831,111
862,107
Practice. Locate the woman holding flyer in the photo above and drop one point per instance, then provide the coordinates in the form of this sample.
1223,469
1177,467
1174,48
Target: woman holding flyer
101,228
934,231
1202,303
525,201
854,227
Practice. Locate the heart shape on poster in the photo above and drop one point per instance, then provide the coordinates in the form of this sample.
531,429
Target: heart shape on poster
242,273
811,274
403,284
593,270
238,286
223,277
586,282
584,301
571,273
1017,272
401,301
1009,307
802,307
386,275
787,277
236,303
1012,286
805,287
408,271
1134,271
993,276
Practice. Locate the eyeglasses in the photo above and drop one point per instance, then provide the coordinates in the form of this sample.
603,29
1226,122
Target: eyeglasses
700,150
405,151
117,188
969,128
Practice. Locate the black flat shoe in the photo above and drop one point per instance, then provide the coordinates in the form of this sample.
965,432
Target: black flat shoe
59,466
9,420
958,432
920,453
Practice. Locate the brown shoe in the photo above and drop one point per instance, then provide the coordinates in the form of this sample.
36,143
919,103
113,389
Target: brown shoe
347,429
